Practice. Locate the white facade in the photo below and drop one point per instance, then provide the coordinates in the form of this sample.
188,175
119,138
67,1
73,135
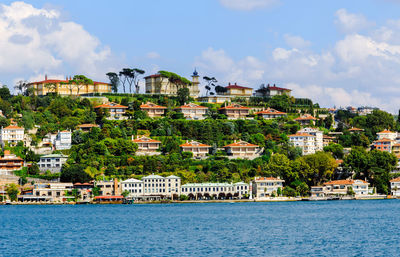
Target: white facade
395,186
266,187
11,134
310,140
215,190
386,134
133,186
52,162
63,140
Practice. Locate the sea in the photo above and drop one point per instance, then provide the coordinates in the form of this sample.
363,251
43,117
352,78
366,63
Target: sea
323,228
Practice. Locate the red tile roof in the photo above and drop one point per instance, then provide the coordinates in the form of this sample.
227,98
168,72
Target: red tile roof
150,105
306,117
109,197
395,180
385,131
237,87
13,127
88,126
241,144
355,129
194,143
111,106
279,88
268,178
383,140
145,140
48,81
270,111
235,107
343,182
192,106
153,76
301,134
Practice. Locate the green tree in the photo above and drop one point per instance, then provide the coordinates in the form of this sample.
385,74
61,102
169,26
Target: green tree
114,81
183,95
12,192
335,149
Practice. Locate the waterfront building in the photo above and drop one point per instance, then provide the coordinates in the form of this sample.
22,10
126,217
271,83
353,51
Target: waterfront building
306,119
109,188
153,110
134,187
12,135
243,149
203,191
317,191
52,162
270,113
85,191
395,186
158,187
61,87
235,111
147,146
199,150
159,84
87,127
50,192
266,186
115,111
193,111
342,187
9,163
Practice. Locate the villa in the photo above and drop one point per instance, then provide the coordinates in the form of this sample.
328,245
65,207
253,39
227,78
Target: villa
271,91
9,163
199,150
52,162
198,191
116,111
50,192
193,111
342,187
134,187
305,119
235,90
110,188
266,186
147,146
270,113
242,149
12,135
153,110
235,111
395,186
87,127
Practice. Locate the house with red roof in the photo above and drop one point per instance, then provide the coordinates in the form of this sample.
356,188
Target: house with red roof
153,110
395,187
234,90
270,113
116,111
266,186
87,127
61,87
10,162
305,119
235,111
387,134
193,111
342,187
198,149
147,146
242,149
270,91
12,135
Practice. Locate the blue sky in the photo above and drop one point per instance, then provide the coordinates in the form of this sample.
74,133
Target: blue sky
335,52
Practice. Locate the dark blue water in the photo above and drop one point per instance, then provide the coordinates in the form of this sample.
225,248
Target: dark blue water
335,228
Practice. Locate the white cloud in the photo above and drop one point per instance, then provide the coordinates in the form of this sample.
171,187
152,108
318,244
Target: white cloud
37,41
296,41
153,55
350,22
247,5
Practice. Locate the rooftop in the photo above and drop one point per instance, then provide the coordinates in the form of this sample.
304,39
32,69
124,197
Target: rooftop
152,106
111,106
241,143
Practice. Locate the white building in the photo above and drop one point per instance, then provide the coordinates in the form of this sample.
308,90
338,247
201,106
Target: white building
198,191
52,162
159,187
63,140
193,111
395,186
11,134
310,140
134,187
340,188
266,187
387,134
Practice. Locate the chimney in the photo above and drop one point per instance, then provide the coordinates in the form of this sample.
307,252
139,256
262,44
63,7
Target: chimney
229,83
45,77
235,84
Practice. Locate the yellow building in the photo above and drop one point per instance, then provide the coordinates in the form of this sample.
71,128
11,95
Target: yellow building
61,87
158,84
235,90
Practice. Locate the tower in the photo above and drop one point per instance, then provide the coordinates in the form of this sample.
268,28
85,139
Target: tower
194,89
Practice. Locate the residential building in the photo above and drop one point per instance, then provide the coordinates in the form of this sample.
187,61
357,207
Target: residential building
134,187
384,144
156,187
109,187
235,111
395,186
327,140
342,187
270,113
85,191
319,137
115,111
266,186
366,110
235,90
317,191
387,134
198,149
159,84
87,127
201,191
193,111
355,130
242,149
214,99
309,140
305,119
52,162
396,148
63,140
50,192
147,146
271,91
61,87
12,135
241,190
153,110
9,163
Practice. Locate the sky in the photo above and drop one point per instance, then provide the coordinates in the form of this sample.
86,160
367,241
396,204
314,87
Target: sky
338,53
